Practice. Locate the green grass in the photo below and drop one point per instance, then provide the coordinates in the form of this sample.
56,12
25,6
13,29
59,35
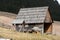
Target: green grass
7,33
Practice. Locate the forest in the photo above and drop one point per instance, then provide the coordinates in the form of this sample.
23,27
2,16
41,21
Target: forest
14,6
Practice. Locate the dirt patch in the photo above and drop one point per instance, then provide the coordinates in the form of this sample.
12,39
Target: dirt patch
56,27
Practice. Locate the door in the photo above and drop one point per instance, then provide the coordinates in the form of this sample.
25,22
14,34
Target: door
48,28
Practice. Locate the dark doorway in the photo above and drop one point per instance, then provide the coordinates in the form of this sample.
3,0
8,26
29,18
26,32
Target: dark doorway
47,27
17,27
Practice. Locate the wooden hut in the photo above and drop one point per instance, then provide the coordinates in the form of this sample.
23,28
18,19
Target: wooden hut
37,18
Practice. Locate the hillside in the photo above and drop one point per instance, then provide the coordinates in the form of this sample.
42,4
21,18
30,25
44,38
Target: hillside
6,18
56,27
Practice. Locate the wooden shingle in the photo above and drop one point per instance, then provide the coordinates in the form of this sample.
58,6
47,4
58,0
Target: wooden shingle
32,15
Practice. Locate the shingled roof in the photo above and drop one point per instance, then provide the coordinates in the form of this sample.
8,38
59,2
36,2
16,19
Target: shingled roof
31,15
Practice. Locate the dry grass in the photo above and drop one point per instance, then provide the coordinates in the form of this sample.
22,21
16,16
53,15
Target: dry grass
7,33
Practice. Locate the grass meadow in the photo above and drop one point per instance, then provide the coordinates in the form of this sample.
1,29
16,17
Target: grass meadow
14,35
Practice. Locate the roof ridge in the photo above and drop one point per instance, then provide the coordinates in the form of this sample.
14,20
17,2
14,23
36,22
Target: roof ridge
37,7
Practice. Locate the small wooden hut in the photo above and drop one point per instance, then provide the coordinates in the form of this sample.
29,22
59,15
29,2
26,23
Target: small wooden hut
37,18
